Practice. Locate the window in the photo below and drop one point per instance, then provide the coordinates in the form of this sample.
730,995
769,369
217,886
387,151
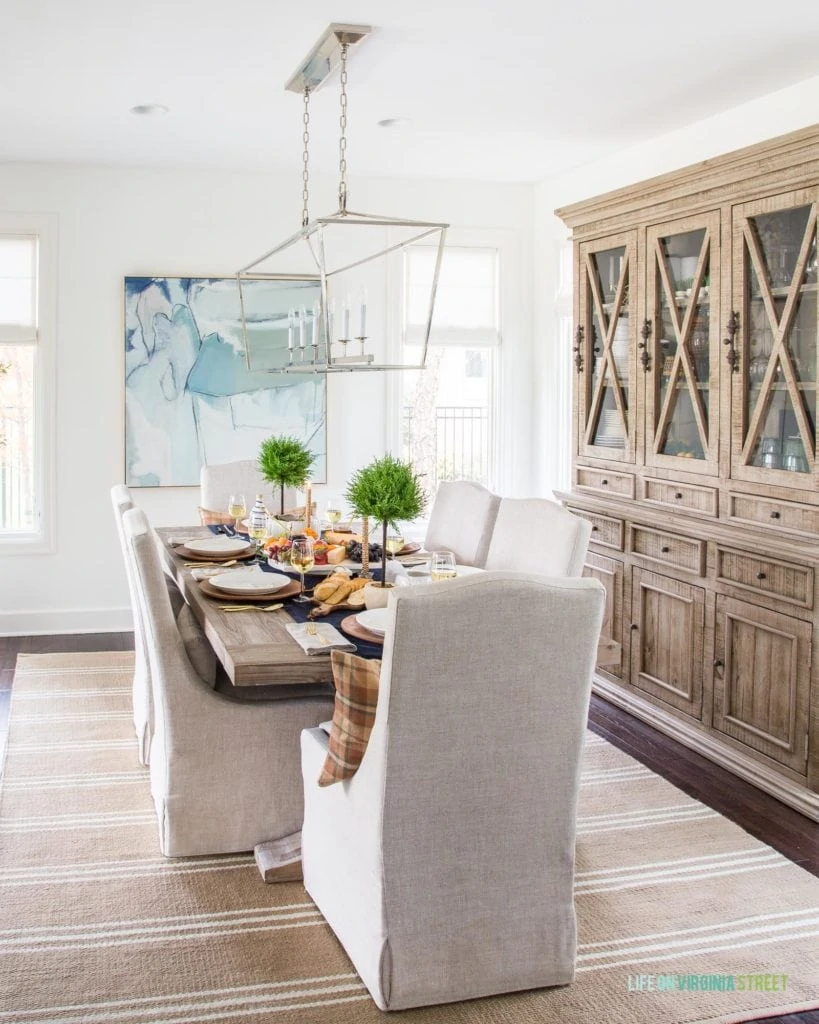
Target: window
24,416
448,409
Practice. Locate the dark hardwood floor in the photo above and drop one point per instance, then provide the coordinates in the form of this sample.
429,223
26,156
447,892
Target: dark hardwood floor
765,818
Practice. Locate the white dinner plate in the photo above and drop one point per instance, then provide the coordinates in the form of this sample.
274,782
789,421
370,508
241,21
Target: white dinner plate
244,581
218,546
375,619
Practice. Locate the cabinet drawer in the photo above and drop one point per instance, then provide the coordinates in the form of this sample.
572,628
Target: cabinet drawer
782,515
606,532
693,497
603,482
668,549
785,580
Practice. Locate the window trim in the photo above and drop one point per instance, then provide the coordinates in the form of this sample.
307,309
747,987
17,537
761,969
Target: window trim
510,331
42,539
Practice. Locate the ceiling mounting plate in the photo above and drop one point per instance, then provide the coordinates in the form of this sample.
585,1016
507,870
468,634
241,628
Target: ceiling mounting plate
325,56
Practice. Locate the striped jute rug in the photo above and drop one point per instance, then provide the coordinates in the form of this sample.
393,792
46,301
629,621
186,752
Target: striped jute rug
96,927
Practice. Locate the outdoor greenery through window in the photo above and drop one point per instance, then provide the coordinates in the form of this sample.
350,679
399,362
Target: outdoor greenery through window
447,416
18,344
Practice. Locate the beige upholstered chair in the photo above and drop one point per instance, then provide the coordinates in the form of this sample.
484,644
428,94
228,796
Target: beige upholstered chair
536,535
445,865
142,701
463,515
218,482
225,774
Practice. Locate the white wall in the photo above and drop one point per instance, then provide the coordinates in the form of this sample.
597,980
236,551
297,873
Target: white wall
117,222
764,118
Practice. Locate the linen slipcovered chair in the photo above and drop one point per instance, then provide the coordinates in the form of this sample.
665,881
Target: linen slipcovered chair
218,482
463,515
142,700
445,864
225,774
536,535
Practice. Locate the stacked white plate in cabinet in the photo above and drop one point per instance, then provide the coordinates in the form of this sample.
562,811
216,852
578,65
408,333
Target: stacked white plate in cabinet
609,430
619,348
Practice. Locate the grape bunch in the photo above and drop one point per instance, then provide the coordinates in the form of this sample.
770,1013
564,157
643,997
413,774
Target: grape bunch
354,551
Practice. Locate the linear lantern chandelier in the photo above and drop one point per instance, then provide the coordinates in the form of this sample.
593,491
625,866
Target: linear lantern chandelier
333,336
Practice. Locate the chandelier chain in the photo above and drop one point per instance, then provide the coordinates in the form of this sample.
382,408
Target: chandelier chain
342,143
305,158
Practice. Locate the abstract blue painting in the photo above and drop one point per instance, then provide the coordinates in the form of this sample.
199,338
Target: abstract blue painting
190,399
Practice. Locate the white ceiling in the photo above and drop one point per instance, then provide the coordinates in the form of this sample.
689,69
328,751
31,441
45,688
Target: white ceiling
498,90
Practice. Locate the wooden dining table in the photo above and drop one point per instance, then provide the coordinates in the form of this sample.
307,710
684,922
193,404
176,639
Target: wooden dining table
254,647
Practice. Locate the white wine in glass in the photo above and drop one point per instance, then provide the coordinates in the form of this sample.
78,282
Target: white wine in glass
332,514
394,543
442,566
237,507
303,559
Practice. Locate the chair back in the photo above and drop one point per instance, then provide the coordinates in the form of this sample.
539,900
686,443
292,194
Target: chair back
142,698
219,481
462,518
539,536
478,740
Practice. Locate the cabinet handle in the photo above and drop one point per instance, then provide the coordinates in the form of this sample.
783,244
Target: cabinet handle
664,551
595,529
645,334
678,495
605,483
776,515
634,625
732,356
578,345
719,663
761,576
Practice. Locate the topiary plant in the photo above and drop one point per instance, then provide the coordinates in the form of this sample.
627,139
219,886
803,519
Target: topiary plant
286,462
386,490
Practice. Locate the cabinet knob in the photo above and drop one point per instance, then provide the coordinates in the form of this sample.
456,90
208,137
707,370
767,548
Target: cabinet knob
776,515
605,483
761,576
665,550
678,495
634,625
719,663
595,529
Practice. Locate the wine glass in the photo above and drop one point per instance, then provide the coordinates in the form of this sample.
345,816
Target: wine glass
303,559
442,566
257,534
394,543
237,507
332,513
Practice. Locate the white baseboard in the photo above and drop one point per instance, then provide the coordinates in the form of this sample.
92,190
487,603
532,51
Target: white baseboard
68,620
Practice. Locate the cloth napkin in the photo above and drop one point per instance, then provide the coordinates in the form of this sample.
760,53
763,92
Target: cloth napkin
326,638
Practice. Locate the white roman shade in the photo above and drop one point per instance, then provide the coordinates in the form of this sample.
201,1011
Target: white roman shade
18,288
466,307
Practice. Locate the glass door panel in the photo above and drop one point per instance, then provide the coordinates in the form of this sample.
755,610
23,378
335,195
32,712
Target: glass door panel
682,302
779,297
606,273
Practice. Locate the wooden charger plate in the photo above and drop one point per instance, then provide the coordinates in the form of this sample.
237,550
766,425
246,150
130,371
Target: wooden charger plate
290,590
352,627
197,556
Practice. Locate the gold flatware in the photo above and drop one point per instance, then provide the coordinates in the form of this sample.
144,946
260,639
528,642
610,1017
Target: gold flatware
251,607
313,631
208,565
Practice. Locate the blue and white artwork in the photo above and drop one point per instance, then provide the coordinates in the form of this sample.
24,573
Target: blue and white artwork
190,399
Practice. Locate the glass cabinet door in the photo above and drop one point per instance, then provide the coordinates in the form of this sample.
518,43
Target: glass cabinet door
604,351
772,341
679,349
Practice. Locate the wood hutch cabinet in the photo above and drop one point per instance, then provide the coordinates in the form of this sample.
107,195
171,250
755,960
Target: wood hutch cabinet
695,453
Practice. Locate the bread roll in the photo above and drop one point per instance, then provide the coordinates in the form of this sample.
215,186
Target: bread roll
333,590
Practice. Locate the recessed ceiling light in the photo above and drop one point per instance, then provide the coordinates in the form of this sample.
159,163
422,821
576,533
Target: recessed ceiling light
395,122
150,109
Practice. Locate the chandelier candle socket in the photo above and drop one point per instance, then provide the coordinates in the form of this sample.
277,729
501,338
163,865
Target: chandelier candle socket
341,247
